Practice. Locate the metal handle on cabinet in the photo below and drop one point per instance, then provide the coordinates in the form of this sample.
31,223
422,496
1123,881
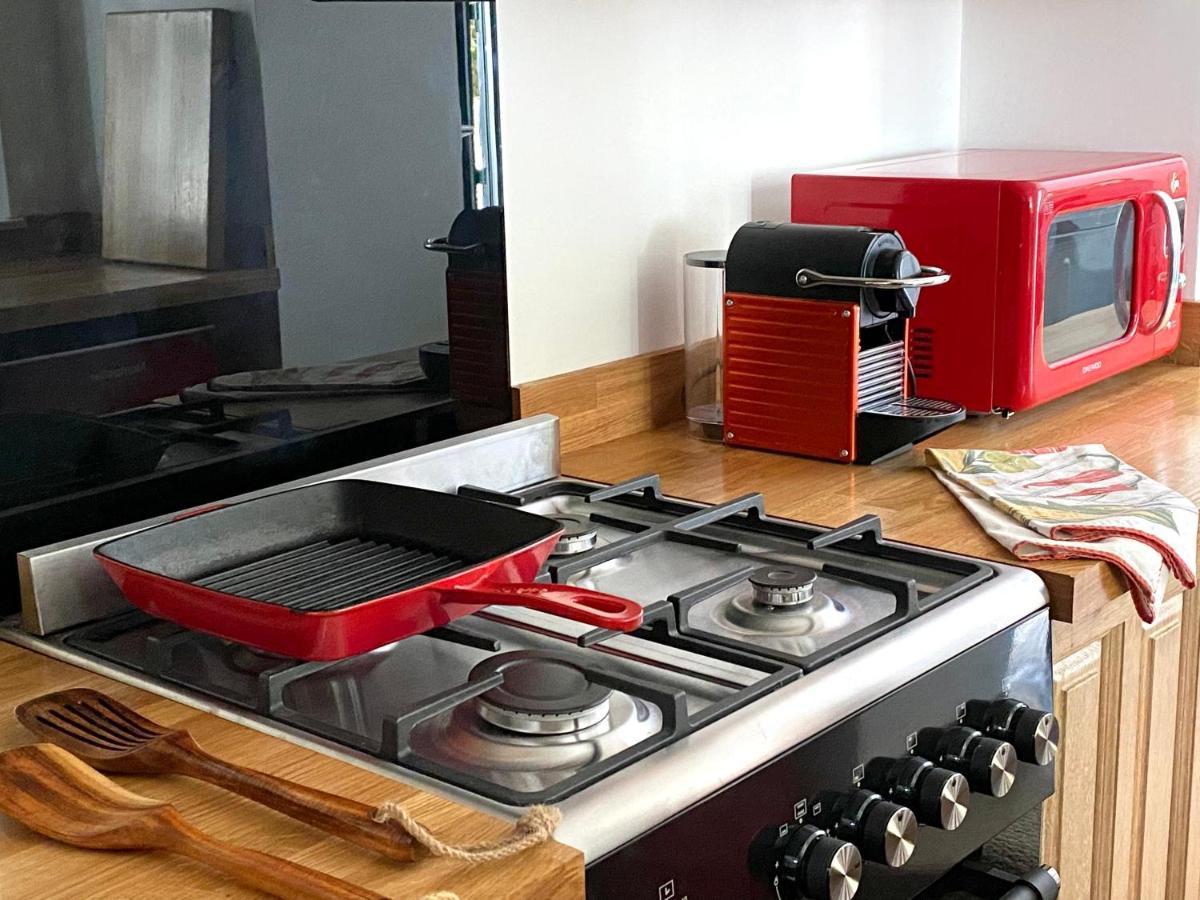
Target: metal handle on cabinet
443,245
927,277
1175,246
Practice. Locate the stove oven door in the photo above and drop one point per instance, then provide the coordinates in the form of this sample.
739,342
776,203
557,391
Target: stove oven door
973,881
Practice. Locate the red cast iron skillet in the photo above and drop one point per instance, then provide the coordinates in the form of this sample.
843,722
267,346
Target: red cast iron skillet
339,568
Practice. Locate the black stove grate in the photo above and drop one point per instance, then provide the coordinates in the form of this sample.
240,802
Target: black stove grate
865,557
857,552
332,575
258,681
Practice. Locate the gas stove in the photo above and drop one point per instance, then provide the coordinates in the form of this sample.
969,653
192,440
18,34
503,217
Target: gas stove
805,712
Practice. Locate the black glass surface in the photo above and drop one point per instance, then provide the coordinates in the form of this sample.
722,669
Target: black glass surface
343,162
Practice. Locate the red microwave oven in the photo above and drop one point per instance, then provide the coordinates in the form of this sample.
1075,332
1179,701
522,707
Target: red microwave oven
1066,267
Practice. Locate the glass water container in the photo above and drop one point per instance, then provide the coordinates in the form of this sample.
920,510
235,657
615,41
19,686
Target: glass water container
703,299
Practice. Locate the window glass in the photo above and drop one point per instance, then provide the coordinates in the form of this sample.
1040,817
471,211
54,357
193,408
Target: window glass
1089,280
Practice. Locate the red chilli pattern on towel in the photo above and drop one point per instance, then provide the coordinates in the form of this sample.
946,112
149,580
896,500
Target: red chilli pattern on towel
1078,478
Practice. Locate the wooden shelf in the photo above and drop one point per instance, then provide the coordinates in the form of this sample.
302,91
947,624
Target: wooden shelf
60,290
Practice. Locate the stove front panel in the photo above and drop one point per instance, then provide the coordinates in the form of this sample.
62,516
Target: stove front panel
703,852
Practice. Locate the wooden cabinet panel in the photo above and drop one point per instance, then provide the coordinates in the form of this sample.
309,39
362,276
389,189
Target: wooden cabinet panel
1125,818
1158,694
1067,838
1183,866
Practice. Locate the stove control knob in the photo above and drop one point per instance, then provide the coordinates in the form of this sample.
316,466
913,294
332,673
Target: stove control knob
806,863
939,797
1033,732
990,765
884,831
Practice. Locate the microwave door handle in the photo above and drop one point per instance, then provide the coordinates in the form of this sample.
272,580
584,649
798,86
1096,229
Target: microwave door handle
927,277
1175,247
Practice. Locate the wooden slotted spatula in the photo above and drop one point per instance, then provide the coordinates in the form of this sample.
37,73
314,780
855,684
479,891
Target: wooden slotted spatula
55,794
114,738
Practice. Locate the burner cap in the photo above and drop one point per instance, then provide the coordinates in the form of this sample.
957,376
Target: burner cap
578,536
783,585
540,694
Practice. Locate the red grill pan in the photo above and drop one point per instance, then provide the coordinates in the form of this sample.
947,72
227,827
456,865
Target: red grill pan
339,568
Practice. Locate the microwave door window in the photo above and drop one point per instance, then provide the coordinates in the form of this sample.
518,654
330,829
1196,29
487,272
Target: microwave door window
1089,280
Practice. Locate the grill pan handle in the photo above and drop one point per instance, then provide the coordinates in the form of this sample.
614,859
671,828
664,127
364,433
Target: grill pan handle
566,600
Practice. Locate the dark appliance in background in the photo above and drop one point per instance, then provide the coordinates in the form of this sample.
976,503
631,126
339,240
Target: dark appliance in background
477,312
66,476
816,355
42,454
127,366
1068,265
100,378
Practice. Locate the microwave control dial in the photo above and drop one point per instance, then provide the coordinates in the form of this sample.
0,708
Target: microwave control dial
1033,732
939,798
806,863
885,832
989,764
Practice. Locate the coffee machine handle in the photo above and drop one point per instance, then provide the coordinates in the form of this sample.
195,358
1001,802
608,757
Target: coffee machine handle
1175,252
927,277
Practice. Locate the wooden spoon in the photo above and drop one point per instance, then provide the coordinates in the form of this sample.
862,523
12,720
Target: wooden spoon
114,738
57,795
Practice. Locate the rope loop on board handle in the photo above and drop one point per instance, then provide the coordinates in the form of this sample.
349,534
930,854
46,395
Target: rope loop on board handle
535,827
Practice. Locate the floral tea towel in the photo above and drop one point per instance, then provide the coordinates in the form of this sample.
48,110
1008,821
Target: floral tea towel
1071,502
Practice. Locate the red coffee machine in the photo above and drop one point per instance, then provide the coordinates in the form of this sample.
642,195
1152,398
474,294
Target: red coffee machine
816,343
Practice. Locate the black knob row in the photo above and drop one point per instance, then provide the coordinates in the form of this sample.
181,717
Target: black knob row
989,764
806,863
939,798
884,831
1032,732
934,788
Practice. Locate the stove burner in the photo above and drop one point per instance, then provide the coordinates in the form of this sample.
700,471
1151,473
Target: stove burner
579,535
539,695
790,609
547,722
783,585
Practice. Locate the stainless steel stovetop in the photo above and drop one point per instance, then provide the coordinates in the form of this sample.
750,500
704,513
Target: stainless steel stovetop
759,633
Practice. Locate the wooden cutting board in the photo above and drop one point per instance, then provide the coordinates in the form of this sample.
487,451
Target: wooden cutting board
34,868
164,136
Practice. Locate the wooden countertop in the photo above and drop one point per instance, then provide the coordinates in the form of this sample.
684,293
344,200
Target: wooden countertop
32,866
62,289
1150,417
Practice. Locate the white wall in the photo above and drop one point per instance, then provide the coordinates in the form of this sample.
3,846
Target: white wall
1091,74
634,132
